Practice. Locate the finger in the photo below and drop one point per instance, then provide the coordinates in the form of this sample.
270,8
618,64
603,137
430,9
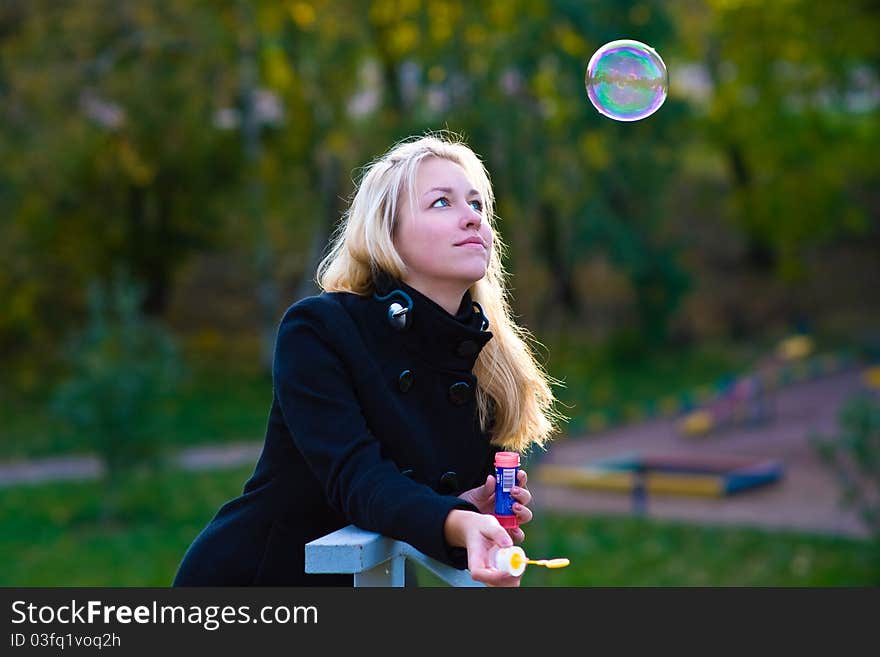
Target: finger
489,486
522,478
523,513
521,495
511,581
494,577
498,536
517,535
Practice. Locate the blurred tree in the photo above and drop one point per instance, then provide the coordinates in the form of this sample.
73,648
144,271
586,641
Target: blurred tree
124,372
572,184
107,109
131,133
789,95
314,56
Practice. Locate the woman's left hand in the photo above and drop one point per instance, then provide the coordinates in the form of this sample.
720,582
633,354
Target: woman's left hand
483,497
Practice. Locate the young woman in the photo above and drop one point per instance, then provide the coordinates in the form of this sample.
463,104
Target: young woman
393,388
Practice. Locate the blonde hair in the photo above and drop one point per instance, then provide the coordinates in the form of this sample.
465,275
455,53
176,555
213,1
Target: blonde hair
509,378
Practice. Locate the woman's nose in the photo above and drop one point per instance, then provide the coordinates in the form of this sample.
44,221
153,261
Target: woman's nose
472,217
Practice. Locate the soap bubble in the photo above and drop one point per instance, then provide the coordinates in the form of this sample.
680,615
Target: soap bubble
626,80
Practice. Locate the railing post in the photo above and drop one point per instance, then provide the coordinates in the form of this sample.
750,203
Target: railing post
389,573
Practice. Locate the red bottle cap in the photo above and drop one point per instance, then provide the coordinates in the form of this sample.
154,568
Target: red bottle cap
506,460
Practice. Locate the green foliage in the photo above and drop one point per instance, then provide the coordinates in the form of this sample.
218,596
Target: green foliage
212,405
124,371
853,454
108,112
786,111
130,146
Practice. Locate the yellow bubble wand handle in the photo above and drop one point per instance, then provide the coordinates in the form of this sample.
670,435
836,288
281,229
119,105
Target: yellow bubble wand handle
550,563
513,560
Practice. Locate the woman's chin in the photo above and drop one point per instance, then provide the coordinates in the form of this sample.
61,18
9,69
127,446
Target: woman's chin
473,275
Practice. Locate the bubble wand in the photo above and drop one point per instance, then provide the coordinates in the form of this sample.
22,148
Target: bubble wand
513,561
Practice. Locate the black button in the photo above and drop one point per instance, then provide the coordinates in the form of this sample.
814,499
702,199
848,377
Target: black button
459,393
468,348
405,380
449,482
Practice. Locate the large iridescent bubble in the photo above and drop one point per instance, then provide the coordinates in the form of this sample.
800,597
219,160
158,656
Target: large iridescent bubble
626,80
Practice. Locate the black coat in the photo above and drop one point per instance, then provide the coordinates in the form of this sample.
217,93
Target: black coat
373,422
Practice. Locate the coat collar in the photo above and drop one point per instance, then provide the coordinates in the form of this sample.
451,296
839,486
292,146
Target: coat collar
448,341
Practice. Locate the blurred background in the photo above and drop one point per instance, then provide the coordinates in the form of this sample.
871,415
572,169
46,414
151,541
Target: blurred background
170,172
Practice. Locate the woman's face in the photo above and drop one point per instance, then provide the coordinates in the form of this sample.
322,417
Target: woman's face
444,240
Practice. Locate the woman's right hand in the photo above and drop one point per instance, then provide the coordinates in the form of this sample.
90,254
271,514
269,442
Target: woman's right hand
481,535
483,497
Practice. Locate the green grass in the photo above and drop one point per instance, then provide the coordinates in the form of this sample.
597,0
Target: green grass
55,535
608,551
52,535
222,406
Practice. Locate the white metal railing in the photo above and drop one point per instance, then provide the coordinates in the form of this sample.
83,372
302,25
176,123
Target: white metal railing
373,559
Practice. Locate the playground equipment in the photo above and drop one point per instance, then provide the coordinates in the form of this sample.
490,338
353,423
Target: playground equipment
871,377
728,401
745,401
666,474
748,400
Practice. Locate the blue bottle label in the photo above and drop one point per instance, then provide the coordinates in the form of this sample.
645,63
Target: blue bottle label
505,479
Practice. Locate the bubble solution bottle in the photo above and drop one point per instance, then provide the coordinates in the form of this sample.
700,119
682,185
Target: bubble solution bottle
506,469
512,560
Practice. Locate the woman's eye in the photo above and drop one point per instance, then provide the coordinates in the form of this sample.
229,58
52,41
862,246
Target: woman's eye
477,205
444,199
